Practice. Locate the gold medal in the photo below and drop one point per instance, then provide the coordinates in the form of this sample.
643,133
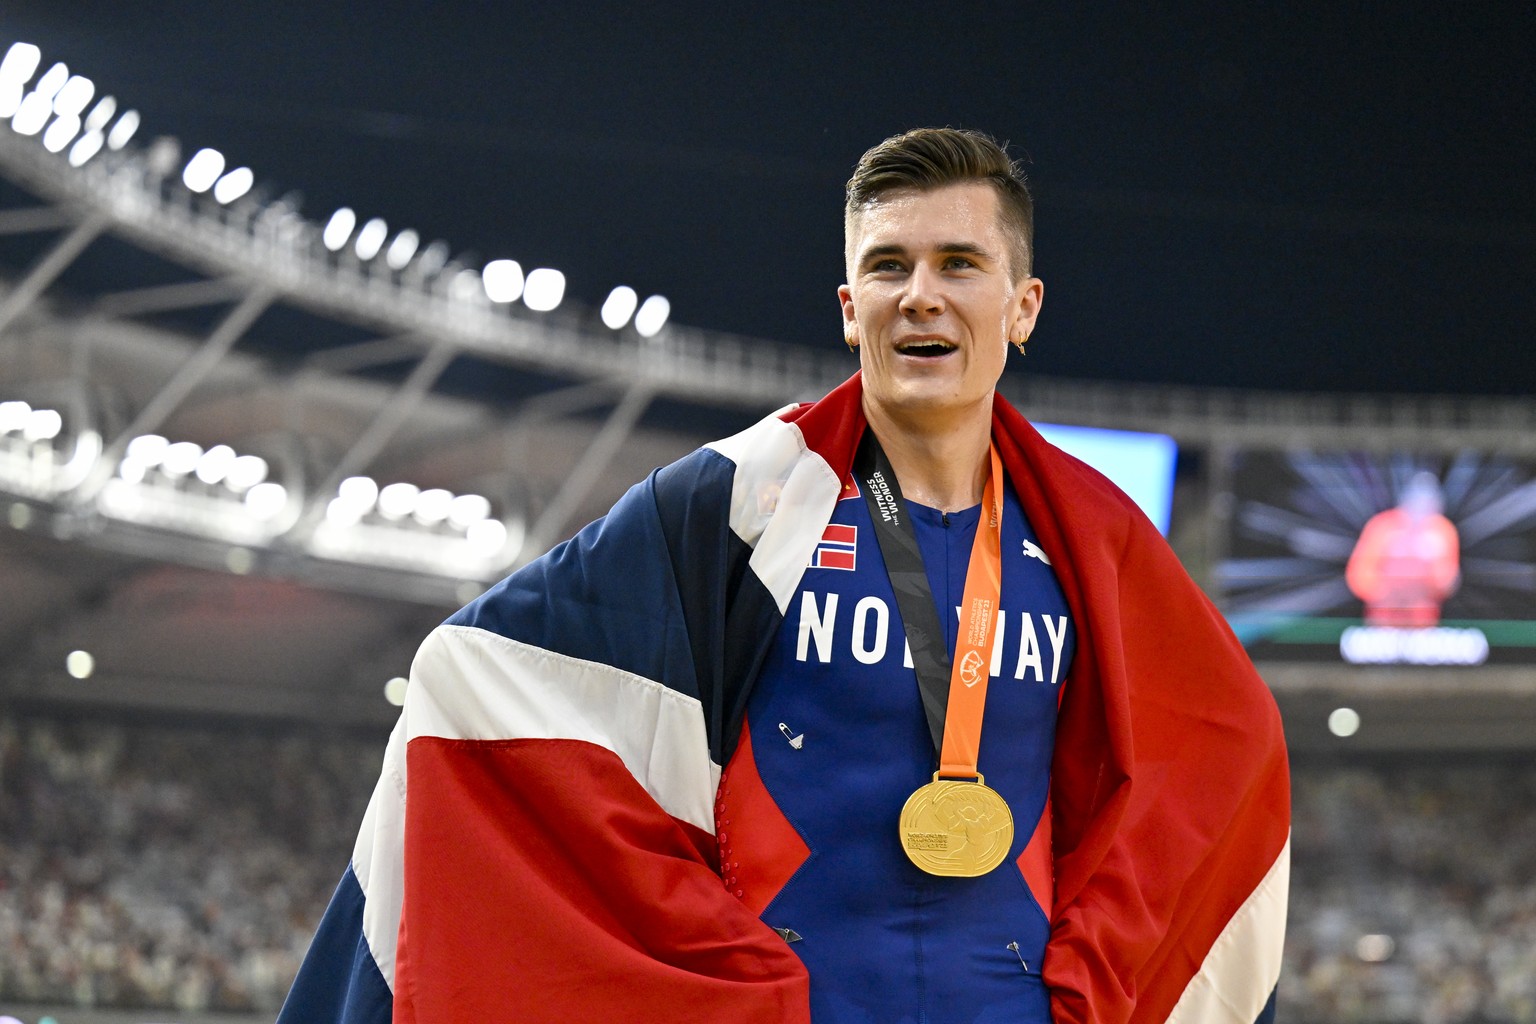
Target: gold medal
954,828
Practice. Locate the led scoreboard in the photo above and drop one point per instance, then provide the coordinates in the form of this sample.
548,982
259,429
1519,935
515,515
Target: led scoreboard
1401,559
1141,464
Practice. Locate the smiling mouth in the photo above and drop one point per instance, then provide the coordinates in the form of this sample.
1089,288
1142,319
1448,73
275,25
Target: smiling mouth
926,348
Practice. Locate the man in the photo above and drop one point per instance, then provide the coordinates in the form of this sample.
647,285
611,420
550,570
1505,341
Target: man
710,760
1407,560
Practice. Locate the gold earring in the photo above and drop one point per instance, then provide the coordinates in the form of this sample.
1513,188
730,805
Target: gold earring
1021,343
848,339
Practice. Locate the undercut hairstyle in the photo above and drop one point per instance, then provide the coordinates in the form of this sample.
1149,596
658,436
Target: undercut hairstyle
931,158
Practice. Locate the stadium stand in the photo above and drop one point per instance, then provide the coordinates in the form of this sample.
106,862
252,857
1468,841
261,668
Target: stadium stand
1414,893
168,867
182,867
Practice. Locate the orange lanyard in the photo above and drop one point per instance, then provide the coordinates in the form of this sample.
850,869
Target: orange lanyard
954,720
978,625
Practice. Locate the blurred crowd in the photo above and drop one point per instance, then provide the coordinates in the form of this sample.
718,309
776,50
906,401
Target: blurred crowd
150,866
186,868
1413,893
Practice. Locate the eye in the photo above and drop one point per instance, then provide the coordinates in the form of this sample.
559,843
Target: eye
885,266
958,263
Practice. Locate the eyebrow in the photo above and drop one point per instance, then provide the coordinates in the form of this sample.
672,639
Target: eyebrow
945,248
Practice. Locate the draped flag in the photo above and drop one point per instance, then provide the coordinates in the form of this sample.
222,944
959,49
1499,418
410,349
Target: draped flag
543,840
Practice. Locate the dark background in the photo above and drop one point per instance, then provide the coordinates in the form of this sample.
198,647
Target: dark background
1303,196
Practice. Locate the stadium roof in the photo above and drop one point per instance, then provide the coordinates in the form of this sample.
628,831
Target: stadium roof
1253,201
1334,199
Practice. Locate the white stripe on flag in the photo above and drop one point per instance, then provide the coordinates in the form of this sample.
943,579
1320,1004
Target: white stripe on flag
471,684
1243,965
781,500
377,860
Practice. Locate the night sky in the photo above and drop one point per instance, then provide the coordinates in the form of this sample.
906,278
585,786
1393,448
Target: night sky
1315,197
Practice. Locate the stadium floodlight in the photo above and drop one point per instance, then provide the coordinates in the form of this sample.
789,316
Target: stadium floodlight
80,664
402,249
61,133
339,228
619,306
433,258
203,170
20,63
503,280
162,157
246,472
214,493
342,513
652,316
132,471
181,458
398,500
52,81
487,536
465,286
33,113
359,491
233,185
123,131
354,499
14,416
430,530
10,99
215,464
432,506
43,425
85,147
100,114
545,289
266,500
71,99
37,459
468,509
371,239
147,449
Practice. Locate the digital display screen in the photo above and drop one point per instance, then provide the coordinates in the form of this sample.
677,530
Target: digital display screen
1140,464
1382,559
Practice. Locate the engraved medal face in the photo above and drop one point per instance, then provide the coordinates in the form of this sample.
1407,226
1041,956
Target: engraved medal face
954,828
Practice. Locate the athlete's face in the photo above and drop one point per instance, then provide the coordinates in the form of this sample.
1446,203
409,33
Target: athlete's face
932,302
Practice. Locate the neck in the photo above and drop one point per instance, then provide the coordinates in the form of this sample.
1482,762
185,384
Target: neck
943,465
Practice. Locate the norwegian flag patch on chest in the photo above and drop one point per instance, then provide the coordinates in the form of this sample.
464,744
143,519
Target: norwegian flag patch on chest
838,548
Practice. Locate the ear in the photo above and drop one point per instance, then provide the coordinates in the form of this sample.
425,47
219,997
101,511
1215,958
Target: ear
1028,300
850,321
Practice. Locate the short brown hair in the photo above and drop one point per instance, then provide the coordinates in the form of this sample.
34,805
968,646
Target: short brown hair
930,158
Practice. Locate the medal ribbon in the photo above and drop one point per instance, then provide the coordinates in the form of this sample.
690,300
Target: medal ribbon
954,720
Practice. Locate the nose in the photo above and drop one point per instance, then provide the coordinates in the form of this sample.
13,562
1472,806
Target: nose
922,295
